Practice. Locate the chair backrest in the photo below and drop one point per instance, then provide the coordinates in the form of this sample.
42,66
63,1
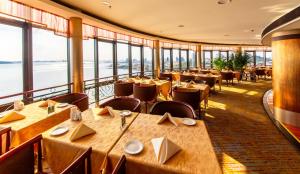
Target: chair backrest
189,96
175,108
121,166
227,75
144,93
124,103
210,81
123,88
186,78
81,165
260,72
80,100
21,159
166,75
193,70
204,71
5,137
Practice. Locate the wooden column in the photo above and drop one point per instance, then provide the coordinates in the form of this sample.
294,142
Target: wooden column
157,58
199,56
239,49
76,54
286,76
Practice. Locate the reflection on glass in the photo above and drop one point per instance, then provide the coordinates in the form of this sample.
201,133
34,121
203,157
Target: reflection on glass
167,59
105,50
136,59
192,59
11,79
175,59
88,59
259,56
50,67
147,59
122,57
184,59
268,58
207,59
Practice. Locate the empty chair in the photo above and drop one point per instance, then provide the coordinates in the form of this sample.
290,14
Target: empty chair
210,81
228,76
80,100
145,93
124,103
175,108
260,72
186,78
166,76
122,88
5,133
81,165
121,166
21,159
189,96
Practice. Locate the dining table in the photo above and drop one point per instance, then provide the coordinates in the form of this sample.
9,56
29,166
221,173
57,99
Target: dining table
108,131
217,77
36,121
196,155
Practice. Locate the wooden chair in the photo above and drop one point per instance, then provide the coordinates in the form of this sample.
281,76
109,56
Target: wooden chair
145,93
166,76
123,88
187,78
121,166
80,100
81,165
124,103
21,159
189,96
5,131
175,108
228,76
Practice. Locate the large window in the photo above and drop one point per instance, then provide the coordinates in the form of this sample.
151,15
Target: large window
251,54
148,60
215,55
11,78
136,59
175,59
105,60
184,57
259,58
50,61
192,59
88,59
268,58
123,58
207,59
224,55
167,59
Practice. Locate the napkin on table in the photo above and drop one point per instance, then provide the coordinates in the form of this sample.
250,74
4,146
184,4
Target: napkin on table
107,110
167,116
11,116
152,82
46,103
164,149
81,130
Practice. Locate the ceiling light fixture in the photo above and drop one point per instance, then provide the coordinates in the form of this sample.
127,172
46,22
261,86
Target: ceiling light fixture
181,26
106,3
222,2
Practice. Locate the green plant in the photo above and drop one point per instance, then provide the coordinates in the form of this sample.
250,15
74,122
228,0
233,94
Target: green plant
219,63
240,60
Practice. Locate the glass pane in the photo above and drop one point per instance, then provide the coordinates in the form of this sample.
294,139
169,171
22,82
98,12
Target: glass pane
167,59
88,59
148,60
215,54
136,59
50,66
122,57
251,54
175,59
223,55
260,58
184,60
268,58
105,59
11,79
207,59
192,59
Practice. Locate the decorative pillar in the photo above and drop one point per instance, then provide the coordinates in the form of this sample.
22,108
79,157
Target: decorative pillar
76,54
286,76
199,56
157,58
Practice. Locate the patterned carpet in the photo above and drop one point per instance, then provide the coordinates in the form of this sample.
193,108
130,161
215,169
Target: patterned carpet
244,138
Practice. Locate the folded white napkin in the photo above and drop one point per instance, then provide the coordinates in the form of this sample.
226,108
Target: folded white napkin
190,84
164,149
81,131
167,116
107,110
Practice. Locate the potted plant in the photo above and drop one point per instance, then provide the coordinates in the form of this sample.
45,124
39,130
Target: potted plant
219,63
240,61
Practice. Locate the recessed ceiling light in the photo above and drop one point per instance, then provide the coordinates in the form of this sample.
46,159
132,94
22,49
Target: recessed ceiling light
181,26
221,2
226,35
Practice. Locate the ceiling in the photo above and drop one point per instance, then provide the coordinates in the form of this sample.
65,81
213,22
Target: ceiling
203,20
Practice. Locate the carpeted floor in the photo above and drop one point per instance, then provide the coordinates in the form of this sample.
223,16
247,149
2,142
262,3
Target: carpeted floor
244,138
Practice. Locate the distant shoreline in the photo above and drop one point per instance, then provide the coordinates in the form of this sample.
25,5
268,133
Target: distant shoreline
38,61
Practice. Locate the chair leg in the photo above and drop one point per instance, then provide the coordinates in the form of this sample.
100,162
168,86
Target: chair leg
146,107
